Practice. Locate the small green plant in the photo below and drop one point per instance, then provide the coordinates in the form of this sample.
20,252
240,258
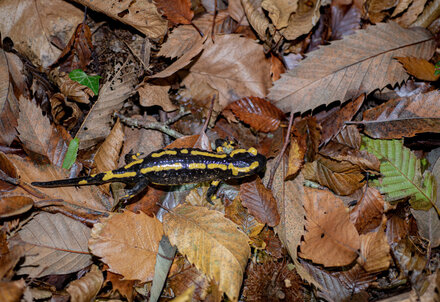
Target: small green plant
78,75
71,153
437,68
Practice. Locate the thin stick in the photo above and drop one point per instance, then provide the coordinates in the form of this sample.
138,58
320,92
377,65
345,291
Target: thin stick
213,21
211,108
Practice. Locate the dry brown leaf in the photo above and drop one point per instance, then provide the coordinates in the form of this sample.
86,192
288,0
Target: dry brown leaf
142,15
420,68
367,214
375,250
401,6
14,205
280,11
8,168
243,71
331,239
155,95
128,244
236,11
18,74
8,104
186,296
71,89
305,17
87,287
342,177
113,93
297,152
410,16
41,141
404,117
212,243
124,287
54,244
177,11
397,229
197,197
430,13
360,63
9,258
308,131
33,24
260,202
240,216
12,291
256,17
64,112
344,23
377,9
258,113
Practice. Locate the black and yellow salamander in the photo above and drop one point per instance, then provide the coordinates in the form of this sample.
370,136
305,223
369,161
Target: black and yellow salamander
175,167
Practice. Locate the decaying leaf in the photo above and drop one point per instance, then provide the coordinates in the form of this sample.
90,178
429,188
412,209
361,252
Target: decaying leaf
64,112
124,287
377,9
360,63
331,239
420,68
177,11
14,205
306,16
256,17
367,214
280,11
155,95
413,12
54,244
197,229
12,291
86,288
128,244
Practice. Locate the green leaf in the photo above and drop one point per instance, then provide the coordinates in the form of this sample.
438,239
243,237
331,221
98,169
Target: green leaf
71,154
401,173
437,72
81,77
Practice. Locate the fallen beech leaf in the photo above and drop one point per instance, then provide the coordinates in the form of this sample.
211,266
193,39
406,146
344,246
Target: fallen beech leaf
375,250
124,287
241,216
305,17
87,287
59,248
331,239
420,68
377,9
244,69
397,229
404,117
309,132
41,141
8,104
410,16
12,291
297,152
212,243
132,13
256,18
128,244
152,95
78,51
114,92
367,214
280,11
177,11
300,89
9,258
342,177
260,202
197,197
401,6
71,89
7,167
258,113
14,205
64,112
344,23
186,296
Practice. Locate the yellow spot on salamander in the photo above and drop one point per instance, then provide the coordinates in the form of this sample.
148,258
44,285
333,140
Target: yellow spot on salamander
218,166
159,154
208,154
197,166
237,170
139,161
184,151
82,182
110,175
253,151
220,150
175,166
238,151
215,183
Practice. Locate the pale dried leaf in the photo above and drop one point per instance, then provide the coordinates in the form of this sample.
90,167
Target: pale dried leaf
128,244
212,243
86,288
361,63
375,250
331,239
236,11
246,222
142,15
367,214
401,6
377,9
186,296
256,17
303,20
54,244
430,13
410,16
113,93
280,11
74,90
155,95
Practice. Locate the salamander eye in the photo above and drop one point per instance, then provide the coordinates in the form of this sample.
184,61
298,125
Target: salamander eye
252,151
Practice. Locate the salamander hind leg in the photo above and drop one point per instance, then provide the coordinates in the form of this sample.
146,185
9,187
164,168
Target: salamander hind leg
212,190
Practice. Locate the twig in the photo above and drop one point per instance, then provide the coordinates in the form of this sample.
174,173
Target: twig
213,21
211,108
280,156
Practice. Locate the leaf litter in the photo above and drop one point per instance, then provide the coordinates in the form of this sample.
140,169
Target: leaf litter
347,208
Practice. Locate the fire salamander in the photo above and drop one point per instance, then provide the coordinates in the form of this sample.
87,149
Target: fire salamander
175,167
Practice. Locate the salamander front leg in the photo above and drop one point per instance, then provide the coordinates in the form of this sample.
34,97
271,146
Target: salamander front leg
138,187
210,195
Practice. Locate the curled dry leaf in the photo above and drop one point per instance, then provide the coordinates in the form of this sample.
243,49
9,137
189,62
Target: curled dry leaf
155,95
306,16
420,68
212,243
331,239
64,112
308,132
177,11
378,9
259,113
59,248
87,287
367,214
14,205
297,152
70,88
124,287
8,168
256,18
260,202
300,89
240,216
128,244
132,13
280,11
342,177
410,16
